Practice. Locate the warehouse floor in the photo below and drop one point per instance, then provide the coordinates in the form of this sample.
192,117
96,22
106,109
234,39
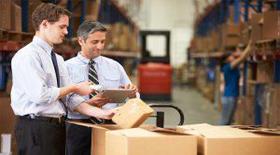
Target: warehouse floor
195,107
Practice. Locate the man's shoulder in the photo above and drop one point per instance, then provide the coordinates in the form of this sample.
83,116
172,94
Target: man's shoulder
72,61
27,50
109,61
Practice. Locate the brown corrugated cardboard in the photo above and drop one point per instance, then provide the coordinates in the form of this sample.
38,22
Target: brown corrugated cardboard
225,140
5,14
92,9
232,29
98,132
271,107
122,143
271,28
16,18
132,114
231,41
32,5
265,71
139,141
257,27
7,117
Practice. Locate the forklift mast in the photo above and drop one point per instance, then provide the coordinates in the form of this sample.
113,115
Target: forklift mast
145,53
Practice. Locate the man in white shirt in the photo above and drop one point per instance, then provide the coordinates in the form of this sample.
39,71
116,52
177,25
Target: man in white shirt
90,65
42,92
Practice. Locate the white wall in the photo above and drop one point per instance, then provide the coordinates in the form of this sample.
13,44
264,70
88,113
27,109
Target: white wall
177,16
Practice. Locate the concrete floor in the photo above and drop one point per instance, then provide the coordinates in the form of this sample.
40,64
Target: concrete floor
195,107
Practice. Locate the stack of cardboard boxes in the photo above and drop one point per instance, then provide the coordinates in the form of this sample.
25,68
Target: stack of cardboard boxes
242,140
121,139
202,139
10,18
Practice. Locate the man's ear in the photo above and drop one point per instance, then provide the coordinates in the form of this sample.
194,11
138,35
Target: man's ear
81,41
44,24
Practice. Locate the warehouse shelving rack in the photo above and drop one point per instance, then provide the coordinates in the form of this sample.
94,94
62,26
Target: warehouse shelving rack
109,12
216,14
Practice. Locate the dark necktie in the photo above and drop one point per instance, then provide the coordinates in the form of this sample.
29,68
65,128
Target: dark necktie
54,61
92,76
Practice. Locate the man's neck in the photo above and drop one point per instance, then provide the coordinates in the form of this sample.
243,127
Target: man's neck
40,35
87,56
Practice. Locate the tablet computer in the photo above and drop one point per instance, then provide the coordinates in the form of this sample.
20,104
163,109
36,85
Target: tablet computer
117,95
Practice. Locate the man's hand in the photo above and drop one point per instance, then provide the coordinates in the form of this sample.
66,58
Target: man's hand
131,87
108,114
98,100
83,88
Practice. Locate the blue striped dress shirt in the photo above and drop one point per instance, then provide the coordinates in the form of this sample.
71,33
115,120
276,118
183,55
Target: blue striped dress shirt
110,75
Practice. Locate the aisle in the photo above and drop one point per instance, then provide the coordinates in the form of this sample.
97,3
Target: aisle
196,108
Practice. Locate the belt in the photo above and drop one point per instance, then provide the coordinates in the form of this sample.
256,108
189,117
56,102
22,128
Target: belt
58,120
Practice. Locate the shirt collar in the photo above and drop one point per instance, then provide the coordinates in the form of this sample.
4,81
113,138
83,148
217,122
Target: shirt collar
43,44
86,60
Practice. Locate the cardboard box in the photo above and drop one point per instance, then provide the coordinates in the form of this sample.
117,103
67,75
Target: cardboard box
271,107
7,117
139,141
271,27
111,140
132,114
225,140
92,9
231,41
257,27
5,14
98,143
32,5
232,29
265,72
16,18
245,33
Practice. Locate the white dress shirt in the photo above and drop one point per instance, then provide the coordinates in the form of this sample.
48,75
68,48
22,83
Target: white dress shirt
34,89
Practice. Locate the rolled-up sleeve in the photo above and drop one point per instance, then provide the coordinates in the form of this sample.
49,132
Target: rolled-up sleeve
74,100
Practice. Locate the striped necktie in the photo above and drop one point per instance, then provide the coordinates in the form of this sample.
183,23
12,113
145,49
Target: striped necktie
92,76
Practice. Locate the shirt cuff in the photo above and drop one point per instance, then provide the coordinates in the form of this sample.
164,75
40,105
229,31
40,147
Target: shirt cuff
138,95
74,101
54,94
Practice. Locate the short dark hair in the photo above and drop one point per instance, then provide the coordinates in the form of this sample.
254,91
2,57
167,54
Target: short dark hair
49,12
88,27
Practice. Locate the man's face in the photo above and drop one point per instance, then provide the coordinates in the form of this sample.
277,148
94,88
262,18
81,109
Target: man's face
55,32
93,45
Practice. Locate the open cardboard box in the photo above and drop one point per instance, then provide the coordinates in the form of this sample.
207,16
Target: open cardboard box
111,140
236,140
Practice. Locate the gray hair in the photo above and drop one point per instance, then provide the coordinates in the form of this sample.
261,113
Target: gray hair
88,27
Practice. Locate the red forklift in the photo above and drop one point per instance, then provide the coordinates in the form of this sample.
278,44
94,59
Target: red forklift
155,71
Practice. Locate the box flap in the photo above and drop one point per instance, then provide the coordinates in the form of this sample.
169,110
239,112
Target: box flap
139,132
258,129
164,130
135,132
210,131
99,126
132,114
82,124
246,127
